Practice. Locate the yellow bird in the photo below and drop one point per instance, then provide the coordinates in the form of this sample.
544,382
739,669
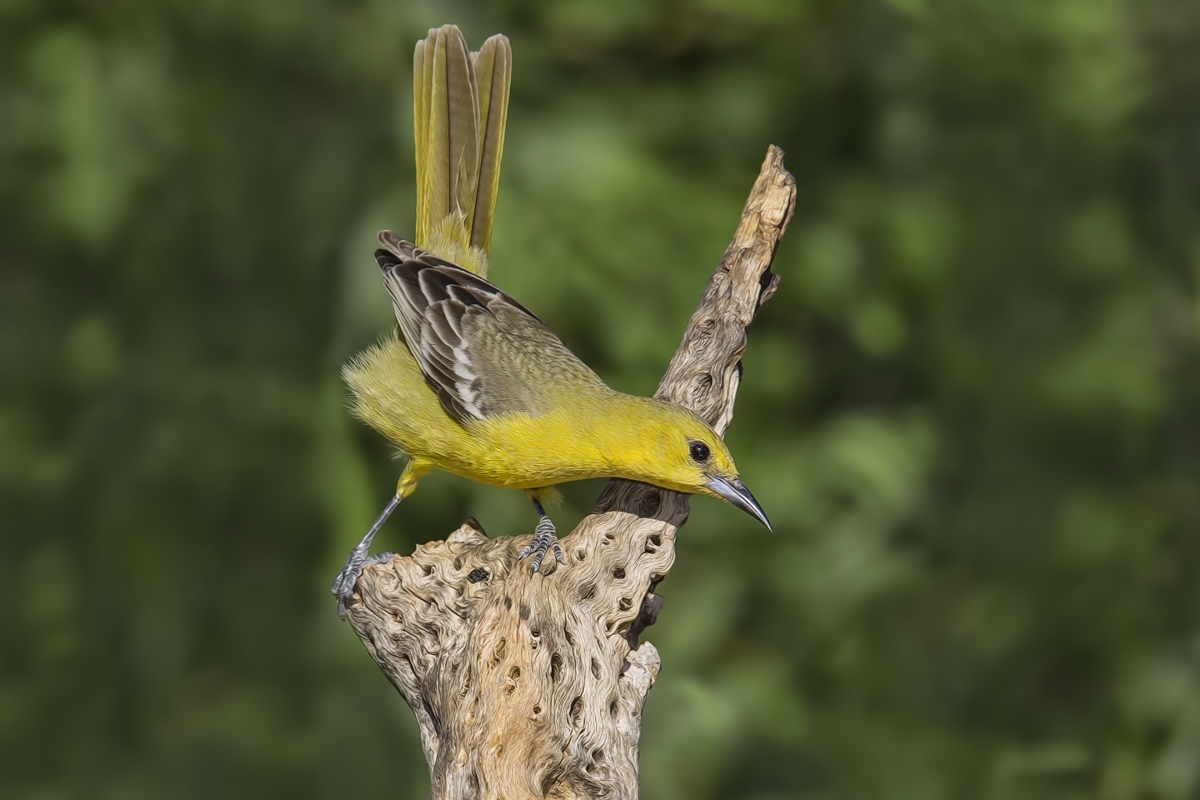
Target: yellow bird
472,382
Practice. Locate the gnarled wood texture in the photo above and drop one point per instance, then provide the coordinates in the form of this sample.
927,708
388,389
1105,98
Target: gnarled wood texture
532,686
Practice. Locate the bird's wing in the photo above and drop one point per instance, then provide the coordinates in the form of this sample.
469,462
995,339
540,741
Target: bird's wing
481,351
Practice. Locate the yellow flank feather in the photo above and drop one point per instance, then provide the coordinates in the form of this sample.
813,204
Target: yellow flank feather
472,382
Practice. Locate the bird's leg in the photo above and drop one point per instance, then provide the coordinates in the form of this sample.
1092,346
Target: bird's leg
544,538
343,584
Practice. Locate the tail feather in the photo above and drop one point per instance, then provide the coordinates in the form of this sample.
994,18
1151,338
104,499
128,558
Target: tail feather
460,104
493,69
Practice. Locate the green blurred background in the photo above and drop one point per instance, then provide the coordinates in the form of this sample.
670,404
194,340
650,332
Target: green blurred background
971,408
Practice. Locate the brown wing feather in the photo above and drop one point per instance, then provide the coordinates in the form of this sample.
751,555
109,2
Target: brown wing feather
480,350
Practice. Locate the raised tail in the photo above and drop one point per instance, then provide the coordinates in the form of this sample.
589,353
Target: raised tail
460,106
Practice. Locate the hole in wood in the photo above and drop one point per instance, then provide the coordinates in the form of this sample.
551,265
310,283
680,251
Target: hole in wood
589,592
569,636
598,755
498,653
618,572
508,603
624,604
427,568
595,668
612,707
555,667
537,710
576,711
580,555
458,562
515,673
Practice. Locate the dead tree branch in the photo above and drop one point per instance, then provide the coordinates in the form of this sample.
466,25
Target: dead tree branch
532,687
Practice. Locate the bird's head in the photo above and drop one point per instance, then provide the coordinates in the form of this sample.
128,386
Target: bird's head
690,457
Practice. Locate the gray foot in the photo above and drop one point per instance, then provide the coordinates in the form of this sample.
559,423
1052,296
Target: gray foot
343,584
544,538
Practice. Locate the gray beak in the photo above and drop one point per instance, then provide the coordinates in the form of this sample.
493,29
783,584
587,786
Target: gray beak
736,492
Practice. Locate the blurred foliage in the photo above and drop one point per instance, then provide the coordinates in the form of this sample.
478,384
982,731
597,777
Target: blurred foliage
971,409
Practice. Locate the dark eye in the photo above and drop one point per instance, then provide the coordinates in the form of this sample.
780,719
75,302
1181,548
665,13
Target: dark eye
698,451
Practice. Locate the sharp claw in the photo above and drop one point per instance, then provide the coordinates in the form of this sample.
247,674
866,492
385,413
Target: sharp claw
544,538
343,584
342,599
347,579
378,558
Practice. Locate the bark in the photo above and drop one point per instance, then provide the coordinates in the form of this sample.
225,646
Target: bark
533,686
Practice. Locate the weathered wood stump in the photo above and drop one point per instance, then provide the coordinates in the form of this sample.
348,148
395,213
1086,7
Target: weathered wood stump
532,686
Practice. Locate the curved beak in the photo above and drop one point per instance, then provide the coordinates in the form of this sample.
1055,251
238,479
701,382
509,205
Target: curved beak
736,492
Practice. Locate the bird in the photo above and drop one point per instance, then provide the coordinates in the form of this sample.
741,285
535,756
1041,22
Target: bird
470,381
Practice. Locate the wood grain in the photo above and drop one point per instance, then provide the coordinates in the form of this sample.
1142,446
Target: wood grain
533,686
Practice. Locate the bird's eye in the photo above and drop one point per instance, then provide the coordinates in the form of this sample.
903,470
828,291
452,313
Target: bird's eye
698,451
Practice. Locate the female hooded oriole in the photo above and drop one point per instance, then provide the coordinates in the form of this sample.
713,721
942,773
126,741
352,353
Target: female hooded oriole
473,383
